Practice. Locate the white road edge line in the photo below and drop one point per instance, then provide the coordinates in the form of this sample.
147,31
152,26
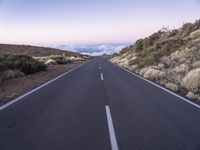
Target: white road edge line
43,85
101,76
182,98
113,139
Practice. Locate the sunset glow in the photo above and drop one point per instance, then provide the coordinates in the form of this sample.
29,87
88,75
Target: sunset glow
88,22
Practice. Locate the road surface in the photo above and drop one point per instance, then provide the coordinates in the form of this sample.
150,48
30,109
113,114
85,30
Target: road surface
99,106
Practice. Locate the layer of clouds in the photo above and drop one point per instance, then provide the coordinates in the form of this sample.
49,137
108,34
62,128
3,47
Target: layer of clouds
93,50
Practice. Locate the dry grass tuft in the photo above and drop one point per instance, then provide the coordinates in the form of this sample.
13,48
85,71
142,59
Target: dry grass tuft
10,74
154,74
172,86
192,81
50,62
196,64
183,68
195,34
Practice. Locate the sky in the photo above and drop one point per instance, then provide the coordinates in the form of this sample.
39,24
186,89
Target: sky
50,22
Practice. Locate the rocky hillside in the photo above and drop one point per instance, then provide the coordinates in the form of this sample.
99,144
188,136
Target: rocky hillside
169,57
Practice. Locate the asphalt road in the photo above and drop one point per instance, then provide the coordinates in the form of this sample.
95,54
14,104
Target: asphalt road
99,106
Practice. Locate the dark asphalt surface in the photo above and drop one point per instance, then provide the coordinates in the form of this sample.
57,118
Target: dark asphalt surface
69,114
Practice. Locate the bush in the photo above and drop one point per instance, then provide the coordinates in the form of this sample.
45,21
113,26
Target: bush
24,63
143,71
151,55
196,64
187,29
192,81
154,74
195,34
50,62
10,74
172,86
133,61
181,69
60,60
168,46
139,45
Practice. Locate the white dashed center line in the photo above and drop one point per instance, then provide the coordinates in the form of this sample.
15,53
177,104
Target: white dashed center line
101,76
113,139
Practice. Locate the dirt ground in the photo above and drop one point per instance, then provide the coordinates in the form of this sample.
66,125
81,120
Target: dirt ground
11,89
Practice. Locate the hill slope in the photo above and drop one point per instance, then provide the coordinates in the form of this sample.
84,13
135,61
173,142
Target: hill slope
23,68
34,50
169,57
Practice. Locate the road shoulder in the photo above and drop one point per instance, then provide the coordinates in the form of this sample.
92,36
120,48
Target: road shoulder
12,89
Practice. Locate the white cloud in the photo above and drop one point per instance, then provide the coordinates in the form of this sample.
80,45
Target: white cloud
93,50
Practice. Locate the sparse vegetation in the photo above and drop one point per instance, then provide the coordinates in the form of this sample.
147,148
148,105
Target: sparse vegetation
154,74
10,74
13,66
25,64
60,59
170,57
19,60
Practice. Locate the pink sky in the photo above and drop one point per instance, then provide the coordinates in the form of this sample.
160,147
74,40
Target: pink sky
89,22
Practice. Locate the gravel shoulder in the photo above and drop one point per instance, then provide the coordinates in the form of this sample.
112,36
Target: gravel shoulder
12,89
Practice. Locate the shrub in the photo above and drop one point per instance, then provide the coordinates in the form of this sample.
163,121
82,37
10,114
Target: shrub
154,37
196,64
187,29
142,71
60,59
50,62
10,74
177,55
139,45
24,63
172,86
167,46
151,55
174,32
148,42
195,34
133,61
154,74
192,81
182,69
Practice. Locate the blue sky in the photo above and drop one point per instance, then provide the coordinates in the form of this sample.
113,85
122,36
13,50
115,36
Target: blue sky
42,22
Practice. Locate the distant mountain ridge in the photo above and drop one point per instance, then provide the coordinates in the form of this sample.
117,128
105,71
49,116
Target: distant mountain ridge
169,57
